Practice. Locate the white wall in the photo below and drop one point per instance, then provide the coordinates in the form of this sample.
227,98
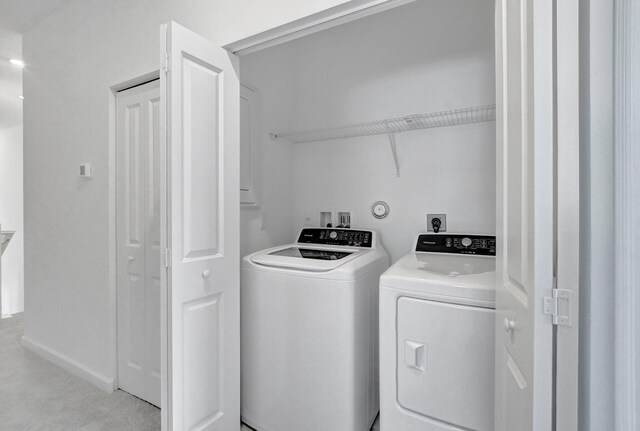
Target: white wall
423,57
227,21
74,57
597,298
11,218
270,72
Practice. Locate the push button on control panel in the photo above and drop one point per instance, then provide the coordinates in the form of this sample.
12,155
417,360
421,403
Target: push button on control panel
466,242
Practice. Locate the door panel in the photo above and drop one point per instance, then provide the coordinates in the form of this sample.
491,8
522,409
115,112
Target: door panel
201,227
525,189
201,171
201,321
153,251
132,165
138,241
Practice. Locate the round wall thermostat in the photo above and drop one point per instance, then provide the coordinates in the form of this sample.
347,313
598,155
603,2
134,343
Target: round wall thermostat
380,209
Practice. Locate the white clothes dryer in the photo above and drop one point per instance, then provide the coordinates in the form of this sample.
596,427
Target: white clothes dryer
309,332
437,312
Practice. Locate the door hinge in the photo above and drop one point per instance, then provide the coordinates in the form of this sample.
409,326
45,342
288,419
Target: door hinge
166,63
558,306
167,257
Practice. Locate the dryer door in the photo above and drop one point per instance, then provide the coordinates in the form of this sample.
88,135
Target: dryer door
445,362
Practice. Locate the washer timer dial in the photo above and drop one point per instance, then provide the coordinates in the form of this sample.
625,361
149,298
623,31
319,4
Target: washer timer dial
466,242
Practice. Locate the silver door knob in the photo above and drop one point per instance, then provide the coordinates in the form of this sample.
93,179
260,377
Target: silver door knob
206,273
130,258
508,324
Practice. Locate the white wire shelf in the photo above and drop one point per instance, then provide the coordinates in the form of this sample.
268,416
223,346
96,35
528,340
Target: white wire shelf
457,117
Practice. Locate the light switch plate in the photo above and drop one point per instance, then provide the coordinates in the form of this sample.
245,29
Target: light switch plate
86,171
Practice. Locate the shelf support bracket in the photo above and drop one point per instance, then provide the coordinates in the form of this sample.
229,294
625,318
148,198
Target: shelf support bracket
394,150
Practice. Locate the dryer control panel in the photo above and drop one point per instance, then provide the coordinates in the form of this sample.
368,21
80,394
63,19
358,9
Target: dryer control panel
341,237
483,245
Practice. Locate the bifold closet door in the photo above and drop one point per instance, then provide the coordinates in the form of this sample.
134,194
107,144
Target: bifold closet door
200,120
138,240
525,211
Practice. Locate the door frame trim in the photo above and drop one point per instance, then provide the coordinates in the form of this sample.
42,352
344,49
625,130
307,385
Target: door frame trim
325,19
567,210
112,205
627,210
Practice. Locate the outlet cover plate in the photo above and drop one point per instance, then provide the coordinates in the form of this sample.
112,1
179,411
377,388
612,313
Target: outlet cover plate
443,220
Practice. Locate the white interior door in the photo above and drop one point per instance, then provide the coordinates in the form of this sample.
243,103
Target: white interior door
525,219
200,93
138,240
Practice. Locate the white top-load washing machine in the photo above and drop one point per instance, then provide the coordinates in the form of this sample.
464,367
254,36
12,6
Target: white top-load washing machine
309,332
437,336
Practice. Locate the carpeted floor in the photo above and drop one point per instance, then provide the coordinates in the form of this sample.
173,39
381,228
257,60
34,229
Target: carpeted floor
37,395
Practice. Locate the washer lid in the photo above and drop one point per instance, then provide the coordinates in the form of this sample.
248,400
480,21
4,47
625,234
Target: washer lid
311,253
455,278
306,258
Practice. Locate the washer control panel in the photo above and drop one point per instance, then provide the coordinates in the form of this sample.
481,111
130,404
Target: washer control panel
484,245
341,237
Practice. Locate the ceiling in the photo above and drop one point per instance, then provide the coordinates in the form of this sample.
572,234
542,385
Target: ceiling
16,17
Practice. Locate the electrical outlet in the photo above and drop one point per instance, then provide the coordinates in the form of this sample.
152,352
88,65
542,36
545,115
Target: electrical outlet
326,219
430,222
344,219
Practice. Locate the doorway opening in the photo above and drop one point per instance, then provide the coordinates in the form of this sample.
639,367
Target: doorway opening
11,222
327,105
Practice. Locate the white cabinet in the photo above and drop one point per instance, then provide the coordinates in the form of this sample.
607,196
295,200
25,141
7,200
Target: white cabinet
250,146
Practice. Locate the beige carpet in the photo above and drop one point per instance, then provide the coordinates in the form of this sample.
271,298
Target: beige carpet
37,395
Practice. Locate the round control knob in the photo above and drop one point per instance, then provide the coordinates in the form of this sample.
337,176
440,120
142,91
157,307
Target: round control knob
466,242
333,234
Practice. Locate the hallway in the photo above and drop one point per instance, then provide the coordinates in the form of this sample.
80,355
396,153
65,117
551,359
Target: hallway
36,395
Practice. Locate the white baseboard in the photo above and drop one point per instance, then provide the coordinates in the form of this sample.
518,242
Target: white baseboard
71,365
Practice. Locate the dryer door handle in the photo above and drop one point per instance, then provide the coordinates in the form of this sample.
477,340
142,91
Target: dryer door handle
415,355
